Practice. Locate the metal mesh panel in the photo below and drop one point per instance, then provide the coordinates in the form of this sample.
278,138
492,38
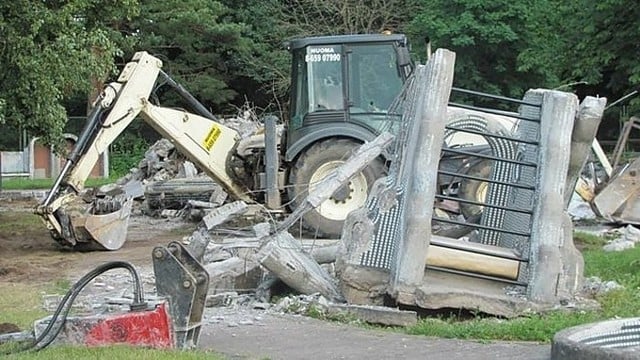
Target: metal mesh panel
627,336
507,205
524,175
386,232
493,217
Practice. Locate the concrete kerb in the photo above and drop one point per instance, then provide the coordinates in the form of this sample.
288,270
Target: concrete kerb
606,340
22,195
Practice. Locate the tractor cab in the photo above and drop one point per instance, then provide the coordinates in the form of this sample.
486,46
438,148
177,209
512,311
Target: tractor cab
343,86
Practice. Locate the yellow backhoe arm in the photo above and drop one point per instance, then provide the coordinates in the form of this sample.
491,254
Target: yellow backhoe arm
205,142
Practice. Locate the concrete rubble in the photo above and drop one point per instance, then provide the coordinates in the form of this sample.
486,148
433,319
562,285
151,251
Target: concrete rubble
165,184
627,238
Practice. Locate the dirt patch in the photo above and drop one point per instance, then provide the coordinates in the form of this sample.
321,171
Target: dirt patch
7,328
29,254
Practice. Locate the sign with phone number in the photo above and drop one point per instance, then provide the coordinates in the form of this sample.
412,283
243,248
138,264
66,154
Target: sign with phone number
322,57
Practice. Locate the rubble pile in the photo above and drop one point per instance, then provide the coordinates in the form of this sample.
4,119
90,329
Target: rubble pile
244,269
626,238
161,162
166,184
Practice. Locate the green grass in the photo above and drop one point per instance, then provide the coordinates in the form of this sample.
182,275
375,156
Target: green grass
588,241
113,352
17,223
535,328
622,267
37,184
20,304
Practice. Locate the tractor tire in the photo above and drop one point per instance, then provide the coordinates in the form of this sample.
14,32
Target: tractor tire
318,161
475,190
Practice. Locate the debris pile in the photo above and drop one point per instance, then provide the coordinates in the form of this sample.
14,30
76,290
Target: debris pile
594,286
166,184
388,249
627,238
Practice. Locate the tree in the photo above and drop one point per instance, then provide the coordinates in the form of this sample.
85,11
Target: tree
51,50
197,42
604,47
338,17
263,66
495,42
265,63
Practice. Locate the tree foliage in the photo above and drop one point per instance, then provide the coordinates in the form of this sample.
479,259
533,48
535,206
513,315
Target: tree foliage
604,51
228,52
51,49
495,42
336,17
196,42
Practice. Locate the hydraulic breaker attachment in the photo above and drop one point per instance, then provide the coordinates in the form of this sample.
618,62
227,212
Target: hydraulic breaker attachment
182,279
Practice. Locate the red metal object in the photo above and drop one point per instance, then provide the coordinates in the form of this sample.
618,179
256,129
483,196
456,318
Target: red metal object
149,328
141,328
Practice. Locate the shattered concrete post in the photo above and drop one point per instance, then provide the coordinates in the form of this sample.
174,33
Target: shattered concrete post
584,132
421,185
233,274
548,269
282,254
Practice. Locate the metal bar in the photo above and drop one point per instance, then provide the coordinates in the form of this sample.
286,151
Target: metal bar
480,276
494,111
491,157
272,193
478,226
496,136
465,201
471,177
88,133
197,105
497,97
477,251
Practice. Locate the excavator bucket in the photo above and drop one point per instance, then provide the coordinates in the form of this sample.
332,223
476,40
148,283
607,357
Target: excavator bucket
619,200
106,231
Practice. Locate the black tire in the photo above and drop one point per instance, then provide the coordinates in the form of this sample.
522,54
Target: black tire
475,190
319,159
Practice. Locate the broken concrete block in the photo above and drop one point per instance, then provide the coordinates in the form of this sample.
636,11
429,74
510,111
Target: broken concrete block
169,213
262,229
162,148
234,274
201,204
224,213
221,299
218,196
134,189
619,245
198,242
216,253
187,170
109,190
283,255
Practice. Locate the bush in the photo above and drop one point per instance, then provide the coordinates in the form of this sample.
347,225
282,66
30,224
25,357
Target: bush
125,153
